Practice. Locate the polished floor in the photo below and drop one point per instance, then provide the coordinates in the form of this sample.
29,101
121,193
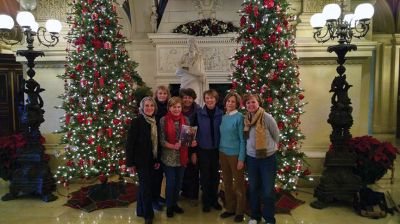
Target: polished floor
33,210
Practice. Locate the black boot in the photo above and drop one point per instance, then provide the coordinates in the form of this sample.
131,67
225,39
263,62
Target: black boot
170,212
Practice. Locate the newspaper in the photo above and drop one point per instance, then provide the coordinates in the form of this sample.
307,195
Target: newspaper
187,135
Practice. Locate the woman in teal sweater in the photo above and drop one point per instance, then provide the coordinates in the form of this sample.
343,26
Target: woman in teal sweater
231,158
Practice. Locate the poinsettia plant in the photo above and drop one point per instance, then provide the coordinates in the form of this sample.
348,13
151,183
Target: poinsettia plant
374,157
8,153
206,27
9,146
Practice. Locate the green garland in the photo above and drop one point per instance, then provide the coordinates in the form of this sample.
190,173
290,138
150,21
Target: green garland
206,27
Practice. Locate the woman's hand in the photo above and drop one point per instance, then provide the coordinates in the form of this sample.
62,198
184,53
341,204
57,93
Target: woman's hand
240,165
194,143
177,146
194,158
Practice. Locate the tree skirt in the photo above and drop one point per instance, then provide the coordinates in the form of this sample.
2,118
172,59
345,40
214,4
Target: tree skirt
286,202
105,195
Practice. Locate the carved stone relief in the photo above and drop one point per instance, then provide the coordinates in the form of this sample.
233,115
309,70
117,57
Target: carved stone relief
51,9
216,59
317,6
207,8
168,59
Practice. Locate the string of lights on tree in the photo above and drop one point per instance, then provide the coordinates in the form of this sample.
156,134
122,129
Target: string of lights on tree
266,64
98,100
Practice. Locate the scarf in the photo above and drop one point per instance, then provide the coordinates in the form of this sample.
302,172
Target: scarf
170,132
257,120
154,137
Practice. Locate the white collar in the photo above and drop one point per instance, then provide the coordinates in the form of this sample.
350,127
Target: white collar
232,112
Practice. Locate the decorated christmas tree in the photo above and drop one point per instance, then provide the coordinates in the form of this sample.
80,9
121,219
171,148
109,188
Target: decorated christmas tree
99,99
266,64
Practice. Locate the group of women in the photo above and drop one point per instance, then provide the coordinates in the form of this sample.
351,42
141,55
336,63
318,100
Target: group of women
226,140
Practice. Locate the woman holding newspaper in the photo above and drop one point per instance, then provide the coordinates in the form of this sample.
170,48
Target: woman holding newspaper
174,155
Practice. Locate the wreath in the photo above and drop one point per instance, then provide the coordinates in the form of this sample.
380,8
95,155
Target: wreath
206,27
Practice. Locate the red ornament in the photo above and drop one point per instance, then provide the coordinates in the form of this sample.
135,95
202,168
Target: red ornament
109,105
89,121
279,29
290,111
265,56
272,39
80,118
119,96
121,86
72,76
80,41
258,25
101,81
242,21
84,11
128,121
275,76
281,125
90,2
286,43
102,178
98,149
96,29
69,163
116,121
84,82
108,22
90,140
270,4
109,132
234,85
288,168
96,74
248,87
250,30
89,63
256,41
97,44
95,16
107,45
255,10
269,99
79,68
67,119
301,96
127,77
286,23
307,172
281,65
248,8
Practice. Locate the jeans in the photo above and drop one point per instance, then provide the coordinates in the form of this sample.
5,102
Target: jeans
262,174
174,177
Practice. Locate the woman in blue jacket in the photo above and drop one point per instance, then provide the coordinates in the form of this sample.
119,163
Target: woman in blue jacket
208,119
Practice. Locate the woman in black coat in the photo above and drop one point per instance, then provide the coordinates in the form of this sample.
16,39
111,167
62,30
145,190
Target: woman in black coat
142,155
